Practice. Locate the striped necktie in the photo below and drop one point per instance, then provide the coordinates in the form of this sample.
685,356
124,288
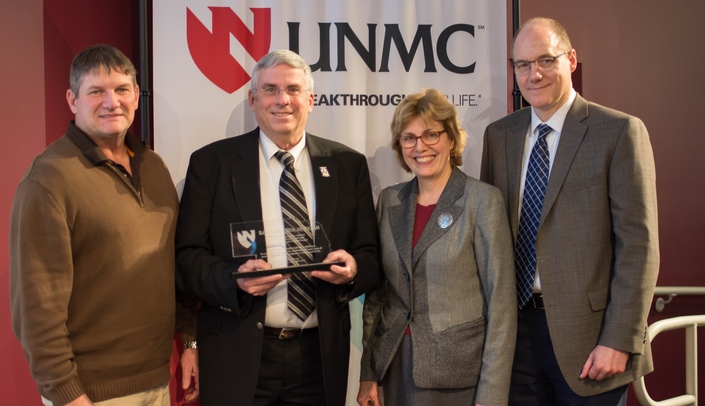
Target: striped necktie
299,238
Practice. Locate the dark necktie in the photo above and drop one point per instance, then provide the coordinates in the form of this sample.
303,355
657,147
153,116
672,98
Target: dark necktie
532,203
299,238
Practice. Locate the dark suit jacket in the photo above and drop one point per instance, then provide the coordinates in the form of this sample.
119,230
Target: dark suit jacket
222,187
597,244
455,289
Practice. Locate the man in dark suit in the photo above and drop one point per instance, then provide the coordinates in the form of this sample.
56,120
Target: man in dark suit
579,183
254,347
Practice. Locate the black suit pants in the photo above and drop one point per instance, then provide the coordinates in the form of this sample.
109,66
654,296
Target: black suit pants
291,373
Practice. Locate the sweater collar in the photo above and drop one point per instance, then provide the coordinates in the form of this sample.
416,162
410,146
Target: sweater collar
91,150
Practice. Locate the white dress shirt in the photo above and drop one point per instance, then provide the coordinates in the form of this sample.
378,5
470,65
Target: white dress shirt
532,135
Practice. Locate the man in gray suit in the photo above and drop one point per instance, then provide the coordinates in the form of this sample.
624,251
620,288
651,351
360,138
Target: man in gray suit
578,180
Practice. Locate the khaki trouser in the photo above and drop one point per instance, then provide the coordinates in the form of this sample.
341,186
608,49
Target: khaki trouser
153,397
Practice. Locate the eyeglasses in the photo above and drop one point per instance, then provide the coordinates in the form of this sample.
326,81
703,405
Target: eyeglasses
546,64
428,138
273,91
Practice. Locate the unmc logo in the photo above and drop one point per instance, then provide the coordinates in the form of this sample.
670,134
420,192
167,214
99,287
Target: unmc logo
211,50
247,240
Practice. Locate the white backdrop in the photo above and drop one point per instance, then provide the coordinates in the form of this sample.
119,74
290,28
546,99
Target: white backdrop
365,55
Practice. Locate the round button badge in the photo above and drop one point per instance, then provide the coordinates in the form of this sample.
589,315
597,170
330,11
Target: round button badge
445,220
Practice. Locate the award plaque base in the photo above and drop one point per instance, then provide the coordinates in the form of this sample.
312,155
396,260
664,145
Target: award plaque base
319,266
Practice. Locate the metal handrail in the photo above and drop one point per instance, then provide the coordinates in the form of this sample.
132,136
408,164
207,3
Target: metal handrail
690,323
679,290
673,291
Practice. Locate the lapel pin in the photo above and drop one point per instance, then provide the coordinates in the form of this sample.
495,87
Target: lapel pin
445,220
324,172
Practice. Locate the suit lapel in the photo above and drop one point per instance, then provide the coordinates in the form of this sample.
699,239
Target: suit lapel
401,220
325,179
572,135
445,207
245,177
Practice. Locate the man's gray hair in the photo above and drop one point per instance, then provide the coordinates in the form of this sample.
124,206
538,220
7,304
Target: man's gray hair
279,57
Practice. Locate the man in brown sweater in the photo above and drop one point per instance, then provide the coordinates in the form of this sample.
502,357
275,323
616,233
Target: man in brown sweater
92,251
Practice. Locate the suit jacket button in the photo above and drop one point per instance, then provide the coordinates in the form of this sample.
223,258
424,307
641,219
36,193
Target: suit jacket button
259,326
226,309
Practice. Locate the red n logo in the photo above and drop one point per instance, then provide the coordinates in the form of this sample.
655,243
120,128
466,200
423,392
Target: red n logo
211,51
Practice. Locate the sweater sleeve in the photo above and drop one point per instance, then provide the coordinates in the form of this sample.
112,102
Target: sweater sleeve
41,280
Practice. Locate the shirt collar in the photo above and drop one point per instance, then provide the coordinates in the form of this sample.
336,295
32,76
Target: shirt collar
269,148
556,121
91,150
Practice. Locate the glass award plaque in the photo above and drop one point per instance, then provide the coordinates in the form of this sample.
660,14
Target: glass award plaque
249,240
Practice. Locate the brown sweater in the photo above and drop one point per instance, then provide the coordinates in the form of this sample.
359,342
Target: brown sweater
92,270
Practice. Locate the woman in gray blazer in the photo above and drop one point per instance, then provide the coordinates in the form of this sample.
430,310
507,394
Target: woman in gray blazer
441,328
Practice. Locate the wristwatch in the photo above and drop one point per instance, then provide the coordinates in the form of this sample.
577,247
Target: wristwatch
191,345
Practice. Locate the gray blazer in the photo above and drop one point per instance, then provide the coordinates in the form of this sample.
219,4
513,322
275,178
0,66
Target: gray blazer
456,290
597,244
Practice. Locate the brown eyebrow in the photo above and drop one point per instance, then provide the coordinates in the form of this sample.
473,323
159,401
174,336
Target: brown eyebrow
540,57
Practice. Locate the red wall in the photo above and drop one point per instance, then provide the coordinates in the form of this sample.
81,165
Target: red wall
69,27
22,115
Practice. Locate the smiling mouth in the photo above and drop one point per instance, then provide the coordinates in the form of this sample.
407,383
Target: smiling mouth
539,87
424,159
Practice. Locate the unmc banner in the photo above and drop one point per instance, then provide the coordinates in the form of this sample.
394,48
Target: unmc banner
365,56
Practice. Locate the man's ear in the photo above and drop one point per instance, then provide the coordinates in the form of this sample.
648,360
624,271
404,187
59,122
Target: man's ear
71,100
573,59
251,99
